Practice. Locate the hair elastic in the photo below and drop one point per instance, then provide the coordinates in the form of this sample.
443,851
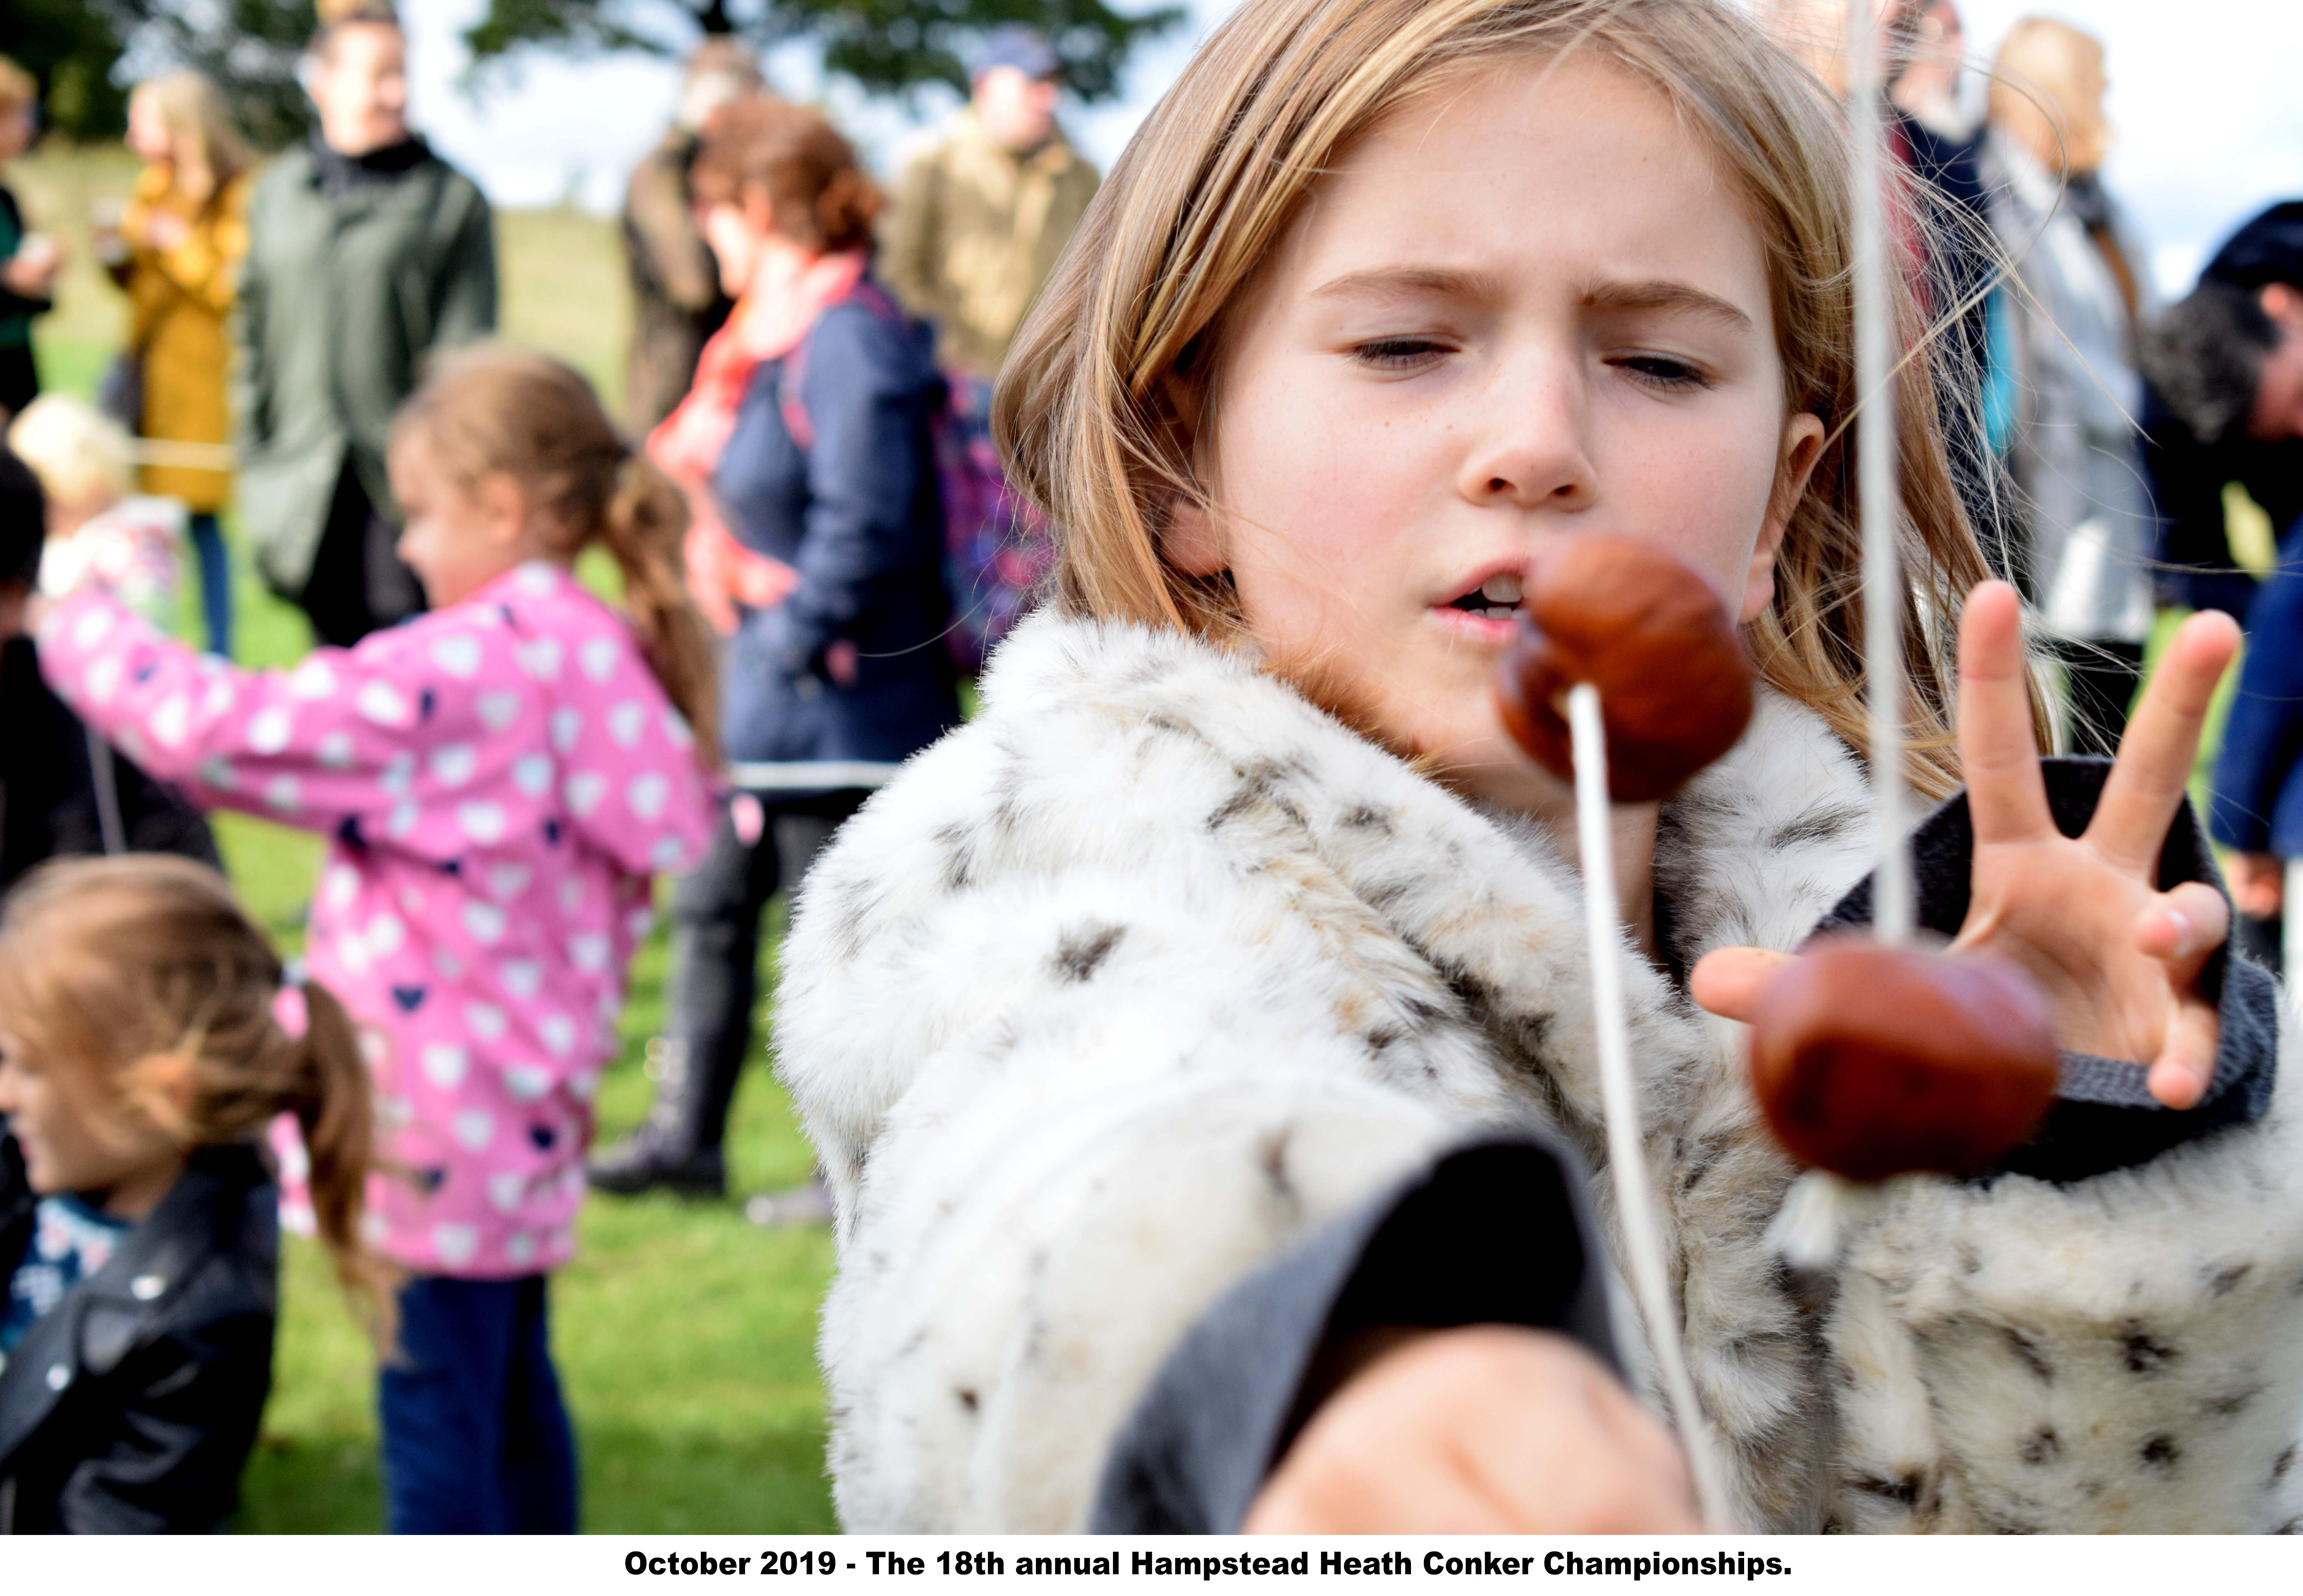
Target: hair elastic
289,1009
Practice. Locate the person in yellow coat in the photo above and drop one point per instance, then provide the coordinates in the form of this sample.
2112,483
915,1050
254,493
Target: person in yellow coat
180,245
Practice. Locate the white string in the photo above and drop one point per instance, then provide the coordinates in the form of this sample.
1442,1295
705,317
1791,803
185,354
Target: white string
1892,912
1626,1149
1810,1231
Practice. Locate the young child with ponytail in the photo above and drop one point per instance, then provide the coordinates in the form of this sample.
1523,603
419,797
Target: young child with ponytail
148,1034
498,780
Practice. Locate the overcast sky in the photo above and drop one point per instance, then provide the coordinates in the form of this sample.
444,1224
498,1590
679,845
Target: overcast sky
2209,108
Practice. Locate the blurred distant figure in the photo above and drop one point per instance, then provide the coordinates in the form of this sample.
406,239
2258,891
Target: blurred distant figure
1945,230
367,252
28,261
2226,409
63,791
676,302
811,429
979,218
177,251
2258,805
2225,406
2075,452
98,526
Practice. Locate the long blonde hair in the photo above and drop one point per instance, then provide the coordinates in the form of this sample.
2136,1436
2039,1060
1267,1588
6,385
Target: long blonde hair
1091,406
109,964
204,143
537,420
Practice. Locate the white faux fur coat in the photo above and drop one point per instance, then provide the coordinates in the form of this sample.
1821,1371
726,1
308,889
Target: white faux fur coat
1119,989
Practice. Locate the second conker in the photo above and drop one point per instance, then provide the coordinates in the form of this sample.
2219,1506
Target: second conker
1871,1061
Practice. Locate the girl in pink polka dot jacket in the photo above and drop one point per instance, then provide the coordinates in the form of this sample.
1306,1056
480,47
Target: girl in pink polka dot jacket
498,780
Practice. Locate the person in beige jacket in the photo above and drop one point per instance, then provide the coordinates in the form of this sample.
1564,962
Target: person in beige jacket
981,217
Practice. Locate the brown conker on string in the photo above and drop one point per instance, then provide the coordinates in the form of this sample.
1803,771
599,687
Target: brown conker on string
1871,1061
1632,618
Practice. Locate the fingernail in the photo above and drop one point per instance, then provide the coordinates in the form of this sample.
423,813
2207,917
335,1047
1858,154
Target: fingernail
2179,1083
2183,924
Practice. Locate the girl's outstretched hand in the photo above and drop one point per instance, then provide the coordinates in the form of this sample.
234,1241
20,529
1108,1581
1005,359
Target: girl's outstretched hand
1489,1430
2118,958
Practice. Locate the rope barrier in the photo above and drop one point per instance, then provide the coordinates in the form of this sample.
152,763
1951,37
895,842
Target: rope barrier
811,776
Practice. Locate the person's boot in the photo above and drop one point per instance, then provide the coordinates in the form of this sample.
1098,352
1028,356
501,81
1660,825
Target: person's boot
647,1160
665,1153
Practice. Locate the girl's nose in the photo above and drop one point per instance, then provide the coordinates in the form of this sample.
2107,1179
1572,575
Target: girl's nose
1530,446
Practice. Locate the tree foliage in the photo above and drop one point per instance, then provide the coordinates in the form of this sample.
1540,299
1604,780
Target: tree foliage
882,44
84,53
249,47
70,46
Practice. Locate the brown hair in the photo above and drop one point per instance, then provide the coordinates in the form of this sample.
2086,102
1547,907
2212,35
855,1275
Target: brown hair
822,200
1119,350
207,149
538,421
110,963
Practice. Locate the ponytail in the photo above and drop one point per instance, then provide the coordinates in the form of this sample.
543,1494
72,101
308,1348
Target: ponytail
328,1093
142,966
643,527
537,420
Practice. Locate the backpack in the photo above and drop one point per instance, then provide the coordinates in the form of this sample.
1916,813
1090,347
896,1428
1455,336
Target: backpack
997,548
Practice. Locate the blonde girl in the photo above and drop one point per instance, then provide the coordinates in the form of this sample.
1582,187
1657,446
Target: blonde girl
1220,1166
178,253
147,1035
498,781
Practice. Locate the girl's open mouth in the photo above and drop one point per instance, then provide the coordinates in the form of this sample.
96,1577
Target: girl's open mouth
1498,597
1488,612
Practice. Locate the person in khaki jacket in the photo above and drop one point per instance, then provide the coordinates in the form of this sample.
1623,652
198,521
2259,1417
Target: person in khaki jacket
177,252
981,217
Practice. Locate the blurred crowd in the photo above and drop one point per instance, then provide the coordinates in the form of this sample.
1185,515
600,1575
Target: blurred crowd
807,418
2113,443
812,364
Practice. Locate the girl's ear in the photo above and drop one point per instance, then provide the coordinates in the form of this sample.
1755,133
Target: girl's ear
1191,540
1802,447
502,504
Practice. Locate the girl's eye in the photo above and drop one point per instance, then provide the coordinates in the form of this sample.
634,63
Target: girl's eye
1397,354
1664,371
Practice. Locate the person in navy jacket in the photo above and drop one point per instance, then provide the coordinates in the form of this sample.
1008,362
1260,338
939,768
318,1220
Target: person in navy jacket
2258,811
830,470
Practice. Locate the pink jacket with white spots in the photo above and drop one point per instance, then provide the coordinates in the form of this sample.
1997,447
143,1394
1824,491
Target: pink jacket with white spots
497,780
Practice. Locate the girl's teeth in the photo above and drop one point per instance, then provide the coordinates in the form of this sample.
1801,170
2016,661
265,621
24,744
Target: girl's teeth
1505,588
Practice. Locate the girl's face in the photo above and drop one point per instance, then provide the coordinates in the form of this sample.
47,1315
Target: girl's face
457,539
1527,306
147,130
79,1136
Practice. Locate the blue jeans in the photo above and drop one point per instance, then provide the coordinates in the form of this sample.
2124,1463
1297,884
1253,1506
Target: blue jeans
215,581
475,1442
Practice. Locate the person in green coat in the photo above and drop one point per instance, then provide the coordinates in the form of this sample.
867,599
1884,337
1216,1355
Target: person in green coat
367,252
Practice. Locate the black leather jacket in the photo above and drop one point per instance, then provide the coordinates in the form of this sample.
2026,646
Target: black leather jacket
130,1404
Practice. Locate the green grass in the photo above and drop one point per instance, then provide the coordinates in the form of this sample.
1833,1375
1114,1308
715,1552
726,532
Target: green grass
685,1336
